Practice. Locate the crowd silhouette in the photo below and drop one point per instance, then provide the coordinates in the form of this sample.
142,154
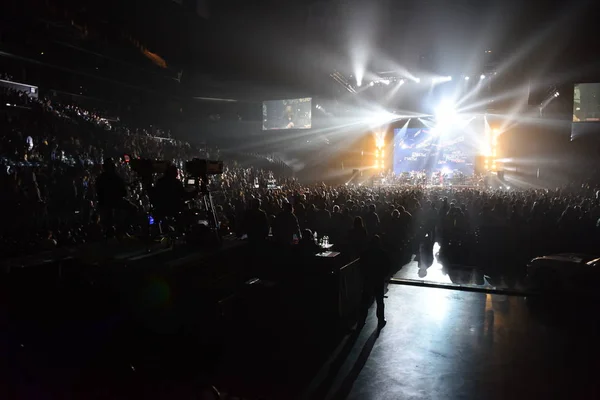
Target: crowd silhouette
53,154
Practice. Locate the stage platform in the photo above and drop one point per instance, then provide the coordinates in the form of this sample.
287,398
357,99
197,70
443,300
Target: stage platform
448,187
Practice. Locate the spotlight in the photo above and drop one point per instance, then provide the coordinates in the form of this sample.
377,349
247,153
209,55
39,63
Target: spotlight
385,81
556,94
448,78
358,83
445,112
402,81
372,83
482,76
418,80
466,78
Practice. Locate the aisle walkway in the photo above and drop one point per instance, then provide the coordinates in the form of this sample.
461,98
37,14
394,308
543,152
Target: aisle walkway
447,344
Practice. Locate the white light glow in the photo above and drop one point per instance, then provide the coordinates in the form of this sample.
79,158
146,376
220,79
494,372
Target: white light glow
466,78
418,80
372,84
359,72
445,112
482,77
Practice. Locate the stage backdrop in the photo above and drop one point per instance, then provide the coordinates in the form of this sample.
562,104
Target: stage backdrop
450,150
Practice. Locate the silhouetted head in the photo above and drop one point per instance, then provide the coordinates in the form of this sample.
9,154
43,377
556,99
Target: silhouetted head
171,171
109,165
256,204
287,207
376,241
307,235
358,222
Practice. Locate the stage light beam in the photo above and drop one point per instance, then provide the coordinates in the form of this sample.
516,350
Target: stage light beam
445,112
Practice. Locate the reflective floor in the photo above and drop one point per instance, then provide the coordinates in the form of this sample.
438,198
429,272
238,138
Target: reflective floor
419,270
447,344
430,268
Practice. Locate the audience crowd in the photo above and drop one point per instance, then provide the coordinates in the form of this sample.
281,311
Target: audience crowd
52,155
464,221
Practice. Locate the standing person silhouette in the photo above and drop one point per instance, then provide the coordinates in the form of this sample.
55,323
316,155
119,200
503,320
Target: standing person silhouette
375,266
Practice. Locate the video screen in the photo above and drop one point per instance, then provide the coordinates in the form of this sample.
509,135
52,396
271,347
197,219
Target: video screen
419,149
586,102
287,114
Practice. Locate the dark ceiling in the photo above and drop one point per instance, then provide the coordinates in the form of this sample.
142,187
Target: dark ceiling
253,48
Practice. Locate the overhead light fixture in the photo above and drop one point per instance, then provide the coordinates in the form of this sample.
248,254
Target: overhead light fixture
556,94
482,76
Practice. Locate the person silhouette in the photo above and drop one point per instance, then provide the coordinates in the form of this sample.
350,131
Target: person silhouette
375,265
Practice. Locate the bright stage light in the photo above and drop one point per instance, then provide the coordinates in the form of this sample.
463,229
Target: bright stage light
482,76
466,78
372,83
441,79
402,81
445,112
359,76
418,80
385,81
556,94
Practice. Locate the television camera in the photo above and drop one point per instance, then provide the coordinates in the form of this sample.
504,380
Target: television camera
197,173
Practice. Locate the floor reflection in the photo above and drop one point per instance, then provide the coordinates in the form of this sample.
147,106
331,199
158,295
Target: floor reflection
428,266
425,267
445,344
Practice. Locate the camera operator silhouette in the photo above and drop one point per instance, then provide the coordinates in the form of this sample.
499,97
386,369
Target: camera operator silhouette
112,198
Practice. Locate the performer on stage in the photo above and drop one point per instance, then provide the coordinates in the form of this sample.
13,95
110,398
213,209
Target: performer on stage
289,117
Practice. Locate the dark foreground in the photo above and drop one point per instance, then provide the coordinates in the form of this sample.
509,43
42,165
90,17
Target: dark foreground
164,339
